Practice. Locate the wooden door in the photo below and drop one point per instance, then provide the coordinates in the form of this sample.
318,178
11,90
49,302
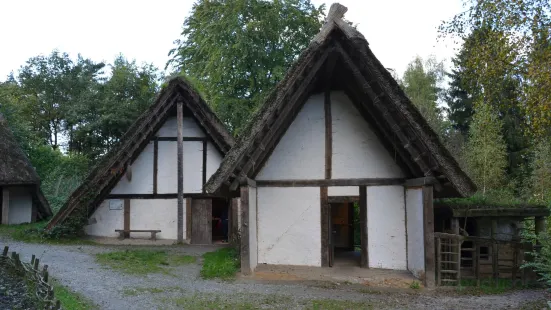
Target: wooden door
201,221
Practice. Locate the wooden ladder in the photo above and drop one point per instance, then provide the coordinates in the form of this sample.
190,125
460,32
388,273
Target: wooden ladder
448,261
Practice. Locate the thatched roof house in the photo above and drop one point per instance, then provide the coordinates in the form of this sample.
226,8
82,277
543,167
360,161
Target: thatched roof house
21,198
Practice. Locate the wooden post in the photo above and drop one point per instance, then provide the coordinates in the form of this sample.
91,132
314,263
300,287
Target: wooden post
5,252
5,206
245,255
126,218
428,230
476,262
324,224
180,146
495,265
188,220
363,228
155,164
204,165
438,261
36,263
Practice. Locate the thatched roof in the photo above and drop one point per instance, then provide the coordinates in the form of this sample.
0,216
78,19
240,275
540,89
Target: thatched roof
339,58
17,170
108,172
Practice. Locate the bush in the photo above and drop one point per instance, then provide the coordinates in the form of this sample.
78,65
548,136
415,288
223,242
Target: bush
541,259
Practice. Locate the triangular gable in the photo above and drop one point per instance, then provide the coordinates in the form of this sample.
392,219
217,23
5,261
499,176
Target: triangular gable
104,177
339,58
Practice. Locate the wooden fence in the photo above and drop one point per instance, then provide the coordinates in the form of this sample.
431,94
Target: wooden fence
476,258
44,291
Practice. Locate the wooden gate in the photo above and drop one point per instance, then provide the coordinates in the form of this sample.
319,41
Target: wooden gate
201,221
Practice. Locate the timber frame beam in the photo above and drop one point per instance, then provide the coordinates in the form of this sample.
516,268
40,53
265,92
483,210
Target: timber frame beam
332,182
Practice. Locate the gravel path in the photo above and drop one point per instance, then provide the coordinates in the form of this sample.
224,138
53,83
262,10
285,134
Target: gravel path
75,267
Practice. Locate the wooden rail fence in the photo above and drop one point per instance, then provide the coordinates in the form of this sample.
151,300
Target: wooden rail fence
44,291
477,258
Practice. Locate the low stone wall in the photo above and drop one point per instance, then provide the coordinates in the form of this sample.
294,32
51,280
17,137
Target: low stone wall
35,278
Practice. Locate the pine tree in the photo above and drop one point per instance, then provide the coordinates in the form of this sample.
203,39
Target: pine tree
486,150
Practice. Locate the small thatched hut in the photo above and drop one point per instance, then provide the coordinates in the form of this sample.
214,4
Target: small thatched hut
20,195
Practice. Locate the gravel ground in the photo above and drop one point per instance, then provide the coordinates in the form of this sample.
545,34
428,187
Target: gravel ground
75,267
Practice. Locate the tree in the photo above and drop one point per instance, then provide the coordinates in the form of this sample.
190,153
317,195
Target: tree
509,38
541,172
421,84
237,50
486,156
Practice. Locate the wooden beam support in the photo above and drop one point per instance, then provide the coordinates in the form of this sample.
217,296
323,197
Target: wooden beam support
332,182
185,139
324,224
343,199
244,181
126,218
188,219
428,231
328,134
245,250
155,165
419,182
364,221
180,154
5,206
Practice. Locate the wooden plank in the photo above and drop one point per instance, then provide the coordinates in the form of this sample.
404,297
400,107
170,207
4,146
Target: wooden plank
155,164
324,224
428,229
343,199
328,134
418,182
476,263
495,254
161,196
204,164
333,182
201,221
188,219
126,220
185,139
245,252
364,238
233,224
438,261
5,206
180,154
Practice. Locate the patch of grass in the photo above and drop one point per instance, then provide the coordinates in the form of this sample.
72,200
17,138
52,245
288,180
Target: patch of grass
143,261
201,302
534,304
495,198
34,233
72,300
487,287
335,304
222,263
415,285
148,290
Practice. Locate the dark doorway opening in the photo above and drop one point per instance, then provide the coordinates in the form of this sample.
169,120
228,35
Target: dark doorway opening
345,241
220,220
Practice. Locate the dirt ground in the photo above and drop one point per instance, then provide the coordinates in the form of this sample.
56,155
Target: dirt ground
76,267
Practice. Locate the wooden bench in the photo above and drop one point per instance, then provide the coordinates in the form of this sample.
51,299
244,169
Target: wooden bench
123,232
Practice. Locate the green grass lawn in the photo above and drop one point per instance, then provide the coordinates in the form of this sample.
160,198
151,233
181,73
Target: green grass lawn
487,287
222,263
143,261
33,233
72,300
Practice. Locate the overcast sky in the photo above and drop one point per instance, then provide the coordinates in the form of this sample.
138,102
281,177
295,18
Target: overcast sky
396,30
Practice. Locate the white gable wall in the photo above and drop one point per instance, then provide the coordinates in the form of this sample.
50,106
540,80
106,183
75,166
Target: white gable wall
214,159
253,226
190,128
104,221
289,226
416,239
386,227
20,204
357,152
142,175
300,152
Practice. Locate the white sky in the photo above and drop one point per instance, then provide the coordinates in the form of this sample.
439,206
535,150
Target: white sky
397,30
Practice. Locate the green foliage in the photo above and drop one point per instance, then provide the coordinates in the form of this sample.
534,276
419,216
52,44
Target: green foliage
541,173
72,300
501,198
34,233
421,84
487,287
143,261
237,50
540,260
222,263
415,285
486,151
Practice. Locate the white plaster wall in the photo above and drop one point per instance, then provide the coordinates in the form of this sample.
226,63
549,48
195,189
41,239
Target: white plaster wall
21,205
214,159
343,191
386,227
142,175
415,233
357,152
190,128
104,221
193,167
300,152
289,230
159,214
167,169
253,240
